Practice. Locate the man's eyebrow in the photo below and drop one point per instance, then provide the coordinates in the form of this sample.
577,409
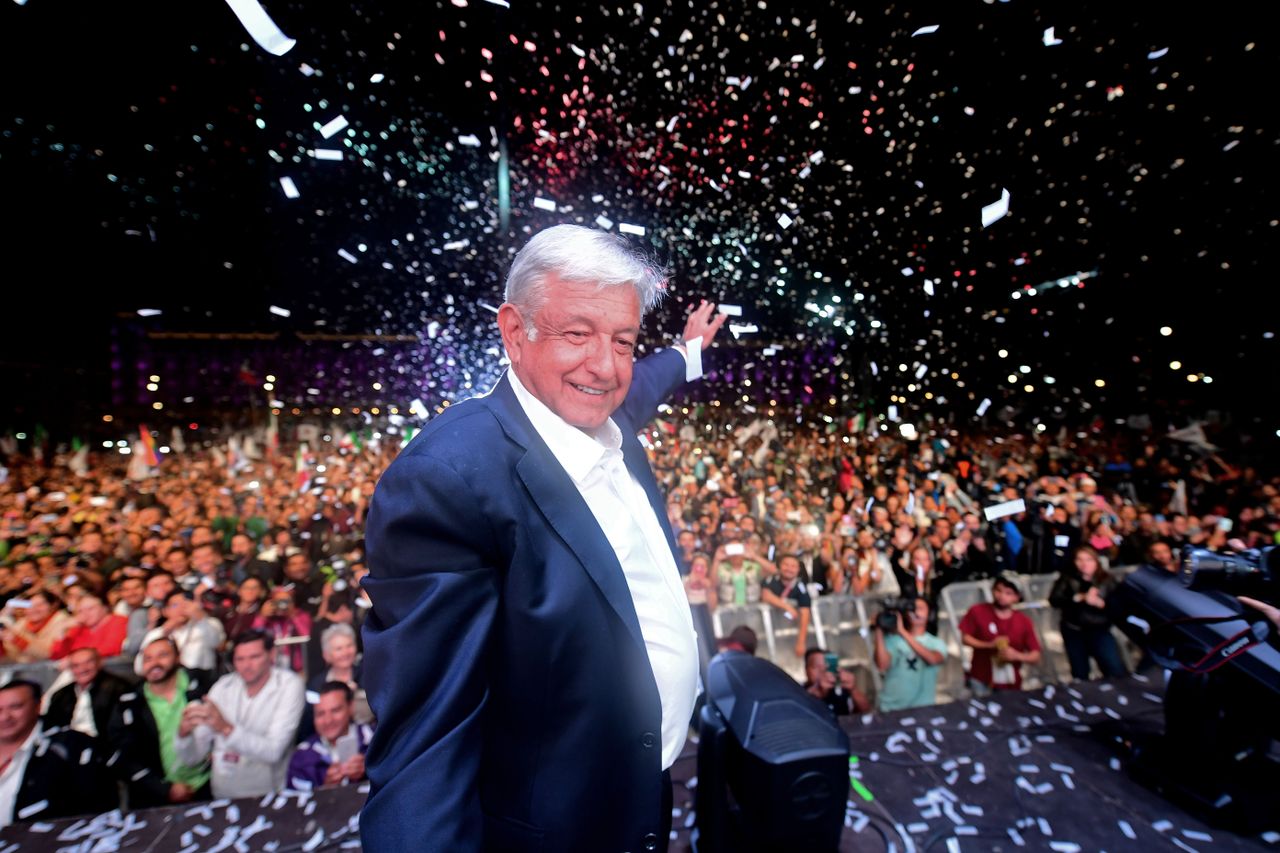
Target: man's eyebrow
588,321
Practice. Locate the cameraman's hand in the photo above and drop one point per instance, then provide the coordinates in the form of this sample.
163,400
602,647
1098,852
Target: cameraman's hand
1268,610
1093,599
902,628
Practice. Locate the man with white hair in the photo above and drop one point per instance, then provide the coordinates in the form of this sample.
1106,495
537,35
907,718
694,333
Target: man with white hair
529,629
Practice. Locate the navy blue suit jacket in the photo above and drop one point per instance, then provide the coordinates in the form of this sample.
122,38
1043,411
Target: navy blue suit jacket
516,706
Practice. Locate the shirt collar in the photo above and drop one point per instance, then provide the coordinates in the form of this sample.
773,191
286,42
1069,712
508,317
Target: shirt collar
576,451
30,743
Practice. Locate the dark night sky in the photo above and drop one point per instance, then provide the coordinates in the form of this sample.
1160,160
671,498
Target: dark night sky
141,155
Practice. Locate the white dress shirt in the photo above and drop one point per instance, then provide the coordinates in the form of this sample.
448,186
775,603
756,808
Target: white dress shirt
11,778
621,507
254,758
82,717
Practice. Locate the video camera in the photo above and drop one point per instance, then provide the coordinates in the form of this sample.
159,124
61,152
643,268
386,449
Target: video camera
887,618
1222,695
1250,573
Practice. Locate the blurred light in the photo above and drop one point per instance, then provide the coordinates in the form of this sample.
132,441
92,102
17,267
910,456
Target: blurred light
125,451
1166,331
151,386
1101,383
320,469
108,444
193,425
1013,377
1040,427
1175,365
1004,353
1207,379
153,378
164,449
1049,380
106,419
377,386
1028,388
122,444
1191,377
1024,368
267,386
157,405
271,377
336,410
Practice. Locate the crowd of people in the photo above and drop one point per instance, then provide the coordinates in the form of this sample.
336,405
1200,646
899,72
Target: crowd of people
195,632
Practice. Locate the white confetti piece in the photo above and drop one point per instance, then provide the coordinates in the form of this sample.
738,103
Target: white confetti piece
628,228
1045,828
1050,40
314,841
983,406
785,221
1178,842
347,256
604,222
731,310
307,70
1000,510
279,312
289,187
1016,837
928,286
377,78
471,141
260,27
1064,847
1127,830
544,204
1156,54
1162,825
1194,835
924,31
996,210
327,154
149,312
34,808
333,126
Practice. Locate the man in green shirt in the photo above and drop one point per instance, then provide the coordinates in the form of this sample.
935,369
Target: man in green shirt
145,723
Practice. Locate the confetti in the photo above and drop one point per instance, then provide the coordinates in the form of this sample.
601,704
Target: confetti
261,28
996,210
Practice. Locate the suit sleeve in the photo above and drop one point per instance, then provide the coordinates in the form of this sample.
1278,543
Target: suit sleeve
434,587
653,380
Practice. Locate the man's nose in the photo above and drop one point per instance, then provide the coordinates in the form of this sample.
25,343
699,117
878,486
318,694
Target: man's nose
600,360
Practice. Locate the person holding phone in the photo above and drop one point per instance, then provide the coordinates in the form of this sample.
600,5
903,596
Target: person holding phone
835,687
737,578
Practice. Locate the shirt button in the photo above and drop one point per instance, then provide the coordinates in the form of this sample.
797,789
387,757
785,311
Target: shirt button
651,841
647,740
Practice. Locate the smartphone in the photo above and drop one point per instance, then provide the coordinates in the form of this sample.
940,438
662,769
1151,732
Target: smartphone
733,549
833,662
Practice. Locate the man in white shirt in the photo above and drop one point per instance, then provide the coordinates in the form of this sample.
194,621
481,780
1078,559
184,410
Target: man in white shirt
246,722
197,636
529,630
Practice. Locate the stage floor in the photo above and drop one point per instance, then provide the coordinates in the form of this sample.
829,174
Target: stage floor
1041,770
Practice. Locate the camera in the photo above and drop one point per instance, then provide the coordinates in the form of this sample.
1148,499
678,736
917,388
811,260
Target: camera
1248,573
887,619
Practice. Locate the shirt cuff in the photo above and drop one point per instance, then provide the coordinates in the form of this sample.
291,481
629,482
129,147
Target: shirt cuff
692,352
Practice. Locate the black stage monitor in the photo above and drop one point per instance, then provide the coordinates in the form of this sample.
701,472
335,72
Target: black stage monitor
773,765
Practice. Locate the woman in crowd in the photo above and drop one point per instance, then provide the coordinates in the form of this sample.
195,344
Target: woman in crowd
1081,595
250,595
35,631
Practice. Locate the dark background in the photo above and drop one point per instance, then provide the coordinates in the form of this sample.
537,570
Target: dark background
136,175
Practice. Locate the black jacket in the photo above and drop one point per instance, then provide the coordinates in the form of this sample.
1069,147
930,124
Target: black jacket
135,739
104,692
1077,615
64,778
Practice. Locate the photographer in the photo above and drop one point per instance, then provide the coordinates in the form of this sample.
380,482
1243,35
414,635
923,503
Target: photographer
281,619
786,592
835,687
909,657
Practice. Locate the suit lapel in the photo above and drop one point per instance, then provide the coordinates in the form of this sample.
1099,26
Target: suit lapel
562,505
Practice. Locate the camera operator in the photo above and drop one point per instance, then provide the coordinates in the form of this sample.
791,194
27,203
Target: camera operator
909,657
282,619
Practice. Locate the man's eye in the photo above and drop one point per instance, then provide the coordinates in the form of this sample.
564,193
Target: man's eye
575,336
624,345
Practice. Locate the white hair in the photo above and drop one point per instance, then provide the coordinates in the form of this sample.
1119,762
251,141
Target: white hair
576,253
338,629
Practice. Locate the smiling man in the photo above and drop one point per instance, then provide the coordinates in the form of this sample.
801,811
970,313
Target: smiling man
530,656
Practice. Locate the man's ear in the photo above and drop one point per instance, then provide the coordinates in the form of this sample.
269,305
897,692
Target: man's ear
514,333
